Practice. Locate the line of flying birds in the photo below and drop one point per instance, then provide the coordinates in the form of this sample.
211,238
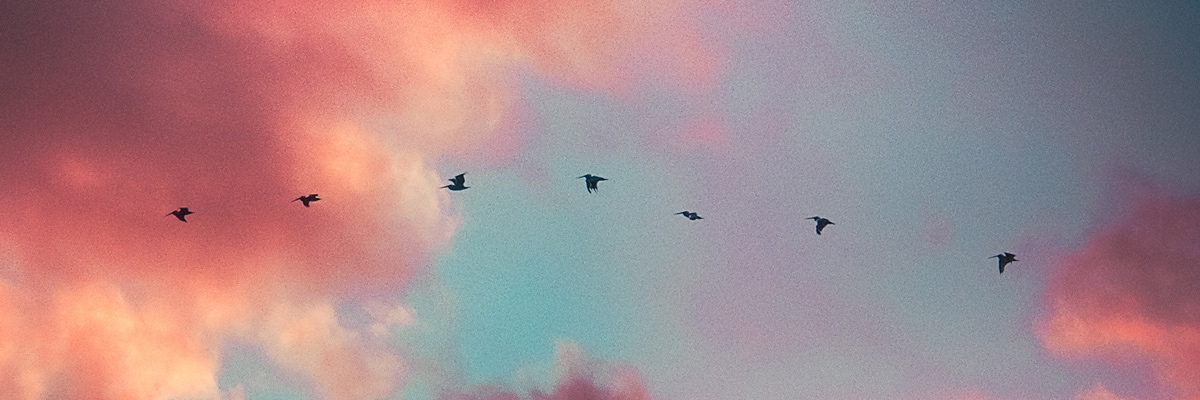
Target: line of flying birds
458,182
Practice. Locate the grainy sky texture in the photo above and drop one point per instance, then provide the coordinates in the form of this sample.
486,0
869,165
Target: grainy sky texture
934,134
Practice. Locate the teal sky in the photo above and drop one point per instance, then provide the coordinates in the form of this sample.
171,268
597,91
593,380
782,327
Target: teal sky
934,134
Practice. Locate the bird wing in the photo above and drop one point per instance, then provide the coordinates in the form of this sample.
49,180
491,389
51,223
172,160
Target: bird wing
599,178
299,198
681,213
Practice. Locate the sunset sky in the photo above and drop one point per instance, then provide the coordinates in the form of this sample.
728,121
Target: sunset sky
934,134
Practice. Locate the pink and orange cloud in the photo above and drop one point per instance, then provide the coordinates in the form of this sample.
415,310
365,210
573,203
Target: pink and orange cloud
115,114
1132,295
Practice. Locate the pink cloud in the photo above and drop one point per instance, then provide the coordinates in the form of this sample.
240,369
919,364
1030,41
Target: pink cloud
115,114
579,378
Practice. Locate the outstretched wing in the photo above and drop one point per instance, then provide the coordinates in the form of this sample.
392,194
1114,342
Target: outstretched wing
459,179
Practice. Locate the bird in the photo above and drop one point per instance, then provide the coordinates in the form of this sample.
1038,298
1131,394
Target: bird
821,223
307,199
1005,259
690,215
457,182
180,213
591,180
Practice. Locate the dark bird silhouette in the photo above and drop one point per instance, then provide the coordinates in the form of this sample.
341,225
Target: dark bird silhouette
690,215
457,182
821,223
307,199
591,181
180,213
1005,259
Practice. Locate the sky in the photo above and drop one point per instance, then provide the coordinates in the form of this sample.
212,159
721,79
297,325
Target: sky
933,134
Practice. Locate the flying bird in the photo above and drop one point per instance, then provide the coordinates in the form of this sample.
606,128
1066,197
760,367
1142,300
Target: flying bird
690,215
1005,259
591,181
307,199
821,223
180,213
457,182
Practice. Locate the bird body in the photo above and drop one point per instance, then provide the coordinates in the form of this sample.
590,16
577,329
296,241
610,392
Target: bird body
1005,259
690,215
590,181
457,183
307,199
821,223
181,213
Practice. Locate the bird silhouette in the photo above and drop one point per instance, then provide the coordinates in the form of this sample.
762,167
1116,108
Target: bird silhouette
591,180
457,182
307,199
690,215
180,213
821,223
1005,259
